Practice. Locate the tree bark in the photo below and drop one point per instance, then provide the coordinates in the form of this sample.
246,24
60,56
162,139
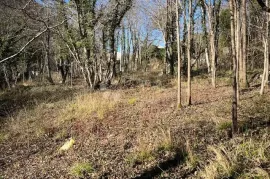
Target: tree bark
179,104
189,54
266,55
244,83
234,101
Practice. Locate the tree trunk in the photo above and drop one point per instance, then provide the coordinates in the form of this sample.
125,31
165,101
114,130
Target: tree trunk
237,45
6,75
179,105
266,55
234,101
244,83
49,68
189,54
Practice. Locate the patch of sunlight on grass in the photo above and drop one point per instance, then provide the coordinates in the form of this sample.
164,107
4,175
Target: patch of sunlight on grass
83,106
164,141
231,162
221,167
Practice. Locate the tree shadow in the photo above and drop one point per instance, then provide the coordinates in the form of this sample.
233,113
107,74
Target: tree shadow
26,97
157,170
253,123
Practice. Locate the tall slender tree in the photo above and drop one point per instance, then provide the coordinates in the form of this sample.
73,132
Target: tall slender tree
179,104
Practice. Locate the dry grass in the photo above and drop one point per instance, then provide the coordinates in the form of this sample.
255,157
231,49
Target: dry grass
150,144
50,118
83,106
140,126
243,159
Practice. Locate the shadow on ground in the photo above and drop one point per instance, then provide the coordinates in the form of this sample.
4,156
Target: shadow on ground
28,97
157,170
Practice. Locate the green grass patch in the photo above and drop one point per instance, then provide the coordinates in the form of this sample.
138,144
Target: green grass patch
140,157
225,125
81,169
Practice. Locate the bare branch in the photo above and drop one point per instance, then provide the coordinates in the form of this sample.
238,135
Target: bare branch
30,41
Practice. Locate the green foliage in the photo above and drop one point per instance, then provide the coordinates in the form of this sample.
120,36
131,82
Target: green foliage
81,169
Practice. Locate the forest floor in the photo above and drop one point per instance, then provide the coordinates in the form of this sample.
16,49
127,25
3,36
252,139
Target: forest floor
133,132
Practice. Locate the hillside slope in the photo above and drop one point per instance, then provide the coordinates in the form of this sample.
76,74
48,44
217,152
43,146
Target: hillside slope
133,133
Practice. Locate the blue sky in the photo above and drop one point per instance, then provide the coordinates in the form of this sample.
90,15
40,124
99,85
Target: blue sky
41,1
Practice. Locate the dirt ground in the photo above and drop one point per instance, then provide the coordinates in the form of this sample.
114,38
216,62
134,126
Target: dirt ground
134,132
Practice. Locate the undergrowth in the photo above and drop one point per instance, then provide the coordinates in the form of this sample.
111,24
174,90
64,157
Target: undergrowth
240,158
81,169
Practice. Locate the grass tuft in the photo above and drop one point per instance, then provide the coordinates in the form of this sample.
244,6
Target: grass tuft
246,157
81,169
257,173
140,157
85,105
225,125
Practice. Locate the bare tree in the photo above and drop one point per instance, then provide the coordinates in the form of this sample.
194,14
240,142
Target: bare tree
179,104
265,74
213,9
233,47
189,41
